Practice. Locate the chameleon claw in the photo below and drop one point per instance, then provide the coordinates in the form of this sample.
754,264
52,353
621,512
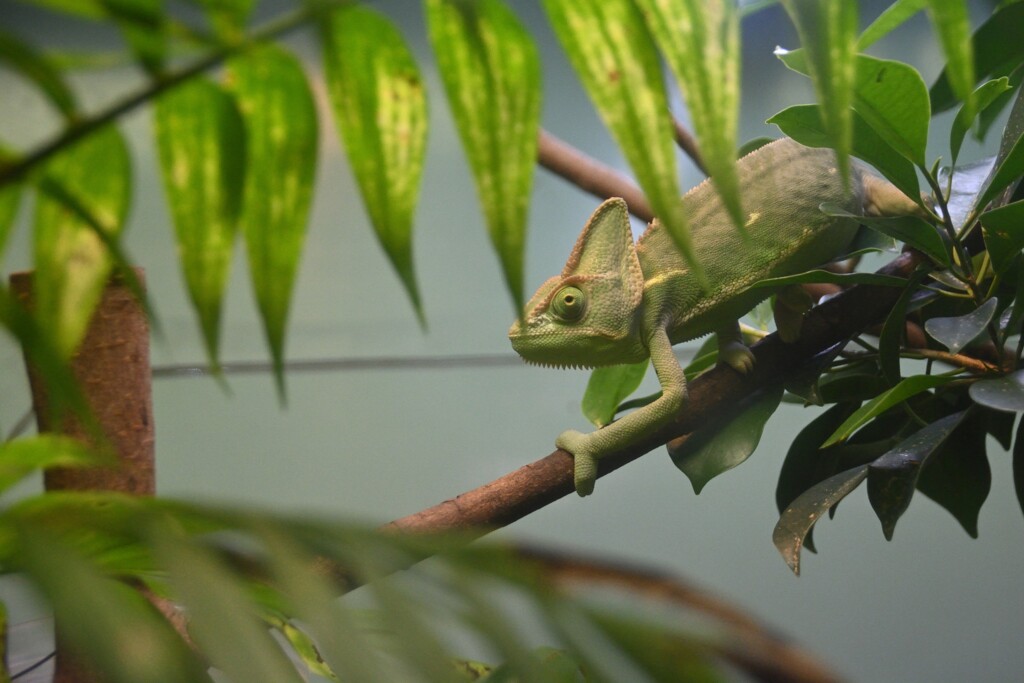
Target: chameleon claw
737,356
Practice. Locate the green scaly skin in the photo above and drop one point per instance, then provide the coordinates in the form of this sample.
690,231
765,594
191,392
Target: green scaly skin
616,302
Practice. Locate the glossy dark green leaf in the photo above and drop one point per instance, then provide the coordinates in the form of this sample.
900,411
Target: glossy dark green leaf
912,230
797,520
491,72
201,139
221,617
1005,393
890,340
908,387
611,50
608,387
281,149
893,16
957,476
997,51
702,457
984,96
953,27
379,104
123,636
699,40
72,263
957,332
806,463
1009,168
22,457
828,34
1004,234
1018,464
892,478
999,424
893,99
24,59
834,278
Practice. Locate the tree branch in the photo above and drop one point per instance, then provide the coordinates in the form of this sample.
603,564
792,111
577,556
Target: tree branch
717,392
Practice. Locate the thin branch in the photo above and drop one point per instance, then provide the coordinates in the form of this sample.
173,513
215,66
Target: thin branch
956,359
590,175
688,144
16,170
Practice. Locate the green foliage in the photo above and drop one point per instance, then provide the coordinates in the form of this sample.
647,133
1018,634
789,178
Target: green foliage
243,152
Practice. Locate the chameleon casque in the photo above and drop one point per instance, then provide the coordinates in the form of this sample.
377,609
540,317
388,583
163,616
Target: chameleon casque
616,302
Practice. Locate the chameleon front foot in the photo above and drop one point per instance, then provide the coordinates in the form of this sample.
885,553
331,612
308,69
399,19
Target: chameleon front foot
584,462
736,355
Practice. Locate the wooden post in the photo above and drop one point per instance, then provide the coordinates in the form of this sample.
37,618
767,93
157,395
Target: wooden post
112,369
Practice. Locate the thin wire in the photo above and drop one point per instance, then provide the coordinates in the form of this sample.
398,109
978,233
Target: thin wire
35,666
343,364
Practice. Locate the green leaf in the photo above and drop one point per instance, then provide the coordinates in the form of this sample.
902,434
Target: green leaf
833,278
890,341
221,617
700,43
22,457
10,200
83,9
985,95
953,25
806,464
305,649
23,58
612,52
997,51
1018,464
608,387
828,34
911,386
72,263
110,624
380,107
1009,170
1005,393
892,478
227,17
796,521
912,230
1004,234
143,24
703,456
281,147
893,16
491,72
957,332
957,476
893,99
803,123
201,138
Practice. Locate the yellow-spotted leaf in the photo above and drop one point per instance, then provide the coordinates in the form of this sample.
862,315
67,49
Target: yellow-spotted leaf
491,74
202,155
379,105
281,145
71,260
700,42
227,17
828,33
611,50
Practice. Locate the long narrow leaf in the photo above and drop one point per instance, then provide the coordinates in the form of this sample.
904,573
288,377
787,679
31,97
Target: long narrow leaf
10,200
72,263
201,140
828,33
379,105
281,146
23,58
611,50
894,15
953,26
700,42
491,73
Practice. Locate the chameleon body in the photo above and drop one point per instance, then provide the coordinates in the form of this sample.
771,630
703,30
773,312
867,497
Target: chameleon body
616,302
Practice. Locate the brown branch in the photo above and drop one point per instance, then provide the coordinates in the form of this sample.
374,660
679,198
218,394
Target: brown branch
590,175
688,144
533,486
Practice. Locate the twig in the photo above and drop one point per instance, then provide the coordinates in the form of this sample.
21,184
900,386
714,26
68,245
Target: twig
957,359
590,175
688,144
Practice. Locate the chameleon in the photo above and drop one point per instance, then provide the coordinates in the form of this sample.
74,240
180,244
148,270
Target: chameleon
617,302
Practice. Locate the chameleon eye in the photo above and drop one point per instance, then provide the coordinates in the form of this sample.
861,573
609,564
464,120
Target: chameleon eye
569,303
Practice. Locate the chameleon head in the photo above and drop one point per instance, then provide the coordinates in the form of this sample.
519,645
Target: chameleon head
589,315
